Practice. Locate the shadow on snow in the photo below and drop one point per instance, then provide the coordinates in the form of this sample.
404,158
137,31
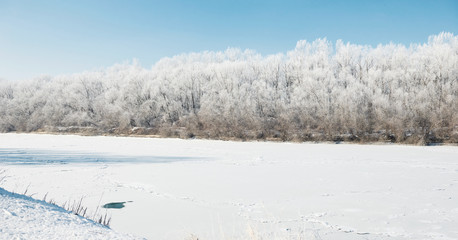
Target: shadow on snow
47,157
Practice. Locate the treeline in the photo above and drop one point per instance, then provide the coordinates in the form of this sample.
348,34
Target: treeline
316,92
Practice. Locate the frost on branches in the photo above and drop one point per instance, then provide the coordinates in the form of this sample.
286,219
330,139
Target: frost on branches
318,91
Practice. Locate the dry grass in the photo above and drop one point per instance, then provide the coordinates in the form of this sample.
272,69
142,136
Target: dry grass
77,208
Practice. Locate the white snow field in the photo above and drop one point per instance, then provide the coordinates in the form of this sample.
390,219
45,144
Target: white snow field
176,189
22,217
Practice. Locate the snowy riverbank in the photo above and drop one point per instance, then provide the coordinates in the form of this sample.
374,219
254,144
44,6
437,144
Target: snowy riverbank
221,190
22,217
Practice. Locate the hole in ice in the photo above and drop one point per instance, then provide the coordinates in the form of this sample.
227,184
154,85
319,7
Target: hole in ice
115,205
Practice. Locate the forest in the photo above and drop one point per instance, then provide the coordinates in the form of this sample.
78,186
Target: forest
319,91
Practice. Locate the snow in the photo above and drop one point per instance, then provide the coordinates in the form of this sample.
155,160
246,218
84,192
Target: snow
237,190
23,217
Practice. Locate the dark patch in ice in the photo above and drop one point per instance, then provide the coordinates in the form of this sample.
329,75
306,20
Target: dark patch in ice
46,157
115,205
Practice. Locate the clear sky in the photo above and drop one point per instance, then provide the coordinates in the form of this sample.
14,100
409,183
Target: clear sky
60,37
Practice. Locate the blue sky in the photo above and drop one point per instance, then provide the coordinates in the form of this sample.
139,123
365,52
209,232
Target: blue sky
60,37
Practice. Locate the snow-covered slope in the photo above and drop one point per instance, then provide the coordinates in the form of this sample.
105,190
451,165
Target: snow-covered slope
23,217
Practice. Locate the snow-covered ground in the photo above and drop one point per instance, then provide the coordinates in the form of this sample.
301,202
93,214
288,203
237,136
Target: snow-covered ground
176,188
23,217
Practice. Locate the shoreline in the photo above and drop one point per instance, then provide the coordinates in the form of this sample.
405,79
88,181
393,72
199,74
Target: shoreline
267,140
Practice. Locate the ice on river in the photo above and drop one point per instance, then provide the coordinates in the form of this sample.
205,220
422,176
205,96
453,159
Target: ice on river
173,188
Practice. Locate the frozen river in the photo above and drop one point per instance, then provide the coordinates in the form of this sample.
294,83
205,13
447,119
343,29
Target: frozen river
17,156
175,189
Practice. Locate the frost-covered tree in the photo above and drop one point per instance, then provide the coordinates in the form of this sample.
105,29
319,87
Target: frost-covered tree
317,91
